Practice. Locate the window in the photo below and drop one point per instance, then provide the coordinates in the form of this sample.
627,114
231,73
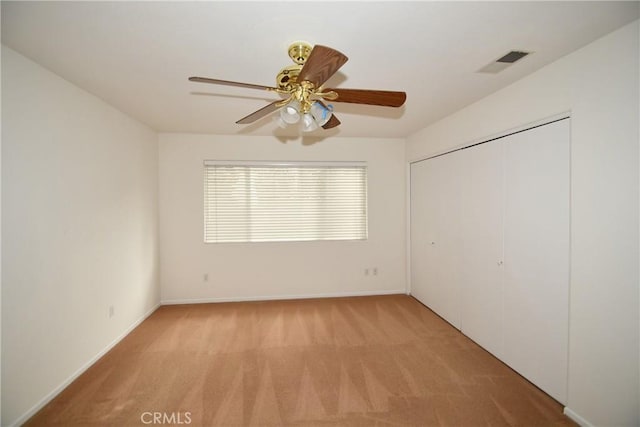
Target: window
275,202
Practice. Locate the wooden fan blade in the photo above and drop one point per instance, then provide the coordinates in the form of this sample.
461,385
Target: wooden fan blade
384,98
321,64
256,115
229,83
333,122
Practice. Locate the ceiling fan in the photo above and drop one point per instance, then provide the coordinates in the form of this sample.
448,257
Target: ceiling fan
304,95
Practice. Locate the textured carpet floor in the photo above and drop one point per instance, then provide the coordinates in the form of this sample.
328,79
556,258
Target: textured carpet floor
366,361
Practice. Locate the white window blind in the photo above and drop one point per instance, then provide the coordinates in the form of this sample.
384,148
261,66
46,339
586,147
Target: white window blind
274,202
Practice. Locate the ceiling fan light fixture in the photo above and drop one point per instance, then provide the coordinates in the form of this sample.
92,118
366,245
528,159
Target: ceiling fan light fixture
308,123
290,113
318,115
321,113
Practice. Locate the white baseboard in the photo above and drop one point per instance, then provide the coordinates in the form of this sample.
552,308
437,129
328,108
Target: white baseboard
31,412
282,297
577,418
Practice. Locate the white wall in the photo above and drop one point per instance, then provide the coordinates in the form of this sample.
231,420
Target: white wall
79,200
277,270
0,241
598,84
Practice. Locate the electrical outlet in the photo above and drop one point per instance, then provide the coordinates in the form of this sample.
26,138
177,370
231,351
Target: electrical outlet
366,271
375,271
205,277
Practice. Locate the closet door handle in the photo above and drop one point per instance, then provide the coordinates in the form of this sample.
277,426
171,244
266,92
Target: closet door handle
500,263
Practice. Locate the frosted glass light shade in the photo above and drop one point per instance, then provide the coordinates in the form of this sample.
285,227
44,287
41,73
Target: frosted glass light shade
290,113
321,113
309,123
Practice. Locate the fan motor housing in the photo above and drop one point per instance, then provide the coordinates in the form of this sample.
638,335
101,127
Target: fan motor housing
288,76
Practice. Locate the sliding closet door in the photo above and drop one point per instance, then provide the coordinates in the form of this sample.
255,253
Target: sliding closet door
481,225
436,237
536,247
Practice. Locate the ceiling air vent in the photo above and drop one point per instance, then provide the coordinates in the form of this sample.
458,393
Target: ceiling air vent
503,62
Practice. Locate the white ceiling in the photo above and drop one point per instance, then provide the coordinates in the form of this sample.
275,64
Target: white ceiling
137,56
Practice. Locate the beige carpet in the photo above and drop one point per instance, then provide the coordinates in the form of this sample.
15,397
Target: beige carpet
365,361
